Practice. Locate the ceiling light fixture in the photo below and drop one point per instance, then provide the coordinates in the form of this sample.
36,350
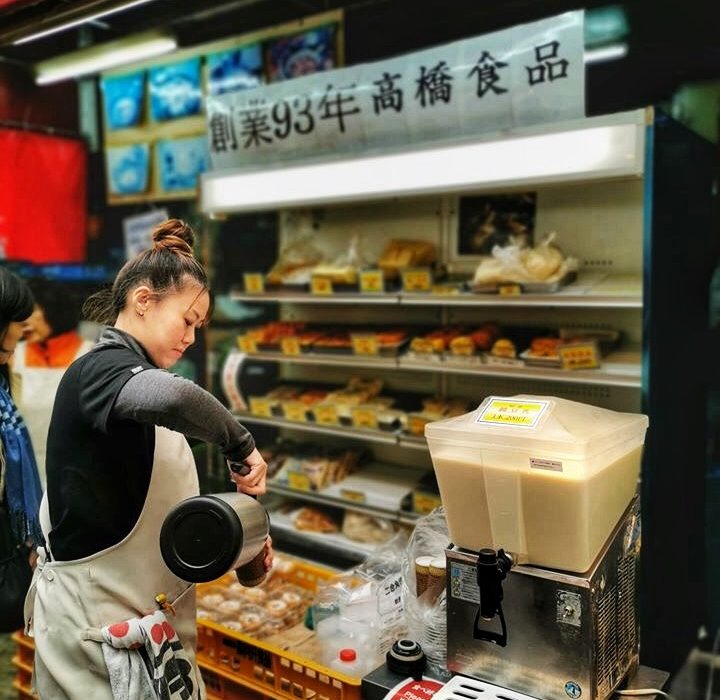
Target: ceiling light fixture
80,20
594,150
100,57
612,52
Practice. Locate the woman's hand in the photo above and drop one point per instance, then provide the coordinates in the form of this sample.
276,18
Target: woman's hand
269,554
252,483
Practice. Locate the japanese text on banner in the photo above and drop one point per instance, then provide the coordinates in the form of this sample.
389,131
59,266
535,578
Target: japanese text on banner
529,74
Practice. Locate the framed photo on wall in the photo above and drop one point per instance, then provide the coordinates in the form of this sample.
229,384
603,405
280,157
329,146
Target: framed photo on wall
481,222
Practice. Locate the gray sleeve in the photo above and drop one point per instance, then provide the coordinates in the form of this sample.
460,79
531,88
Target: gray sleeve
157,397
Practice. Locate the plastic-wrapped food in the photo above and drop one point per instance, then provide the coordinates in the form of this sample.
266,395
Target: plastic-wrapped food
545,263
295,264
365,528
345,268
402,254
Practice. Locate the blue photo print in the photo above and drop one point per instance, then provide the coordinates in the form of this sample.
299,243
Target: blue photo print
175,90
123,99
180,162
128,168
237,69
301,54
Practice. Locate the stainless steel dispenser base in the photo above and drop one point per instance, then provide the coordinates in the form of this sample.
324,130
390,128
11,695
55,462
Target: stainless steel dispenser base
568,635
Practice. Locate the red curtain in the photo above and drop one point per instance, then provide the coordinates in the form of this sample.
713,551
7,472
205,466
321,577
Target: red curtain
42,197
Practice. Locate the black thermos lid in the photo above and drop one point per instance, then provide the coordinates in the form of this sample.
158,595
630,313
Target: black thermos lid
201,538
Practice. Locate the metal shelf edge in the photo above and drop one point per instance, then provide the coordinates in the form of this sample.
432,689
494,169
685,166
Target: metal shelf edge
313,497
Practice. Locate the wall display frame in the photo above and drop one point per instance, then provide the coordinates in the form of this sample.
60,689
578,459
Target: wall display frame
159,105
484,221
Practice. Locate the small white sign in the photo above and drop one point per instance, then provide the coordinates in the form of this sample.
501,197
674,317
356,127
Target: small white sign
137,231
547,464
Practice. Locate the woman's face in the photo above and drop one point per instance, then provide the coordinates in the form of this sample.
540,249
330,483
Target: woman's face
10,340
36,328
168,324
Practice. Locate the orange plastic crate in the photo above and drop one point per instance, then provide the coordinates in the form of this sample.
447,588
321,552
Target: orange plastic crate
23,662
236,666
222,686
269,669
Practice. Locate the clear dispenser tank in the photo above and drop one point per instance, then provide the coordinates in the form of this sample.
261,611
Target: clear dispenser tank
544,478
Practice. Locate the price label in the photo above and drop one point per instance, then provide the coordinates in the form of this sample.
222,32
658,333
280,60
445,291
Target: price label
290,346
417,280
254,283
299,481
354,496
364,417
295,410
509,290
260,407
372,281
445,289
247,344
579,356
321,285
521,414
326,414
365,344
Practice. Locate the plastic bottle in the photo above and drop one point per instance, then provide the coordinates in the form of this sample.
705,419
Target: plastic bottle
348,663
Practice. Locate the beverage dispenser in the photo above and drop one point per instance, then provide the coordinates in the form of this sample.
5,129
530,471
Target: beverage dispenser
539,494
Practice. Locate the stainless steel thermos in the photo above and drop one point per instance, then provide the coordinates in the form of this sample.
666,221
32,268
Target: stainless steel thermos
204,537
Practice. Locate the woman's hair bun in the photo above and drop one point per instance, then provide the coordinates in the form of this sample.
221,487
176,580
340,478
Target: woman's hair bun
174,234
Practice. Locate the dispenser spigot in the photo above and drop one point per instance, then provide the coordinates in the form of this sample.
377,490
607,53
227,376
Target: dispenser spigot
492,568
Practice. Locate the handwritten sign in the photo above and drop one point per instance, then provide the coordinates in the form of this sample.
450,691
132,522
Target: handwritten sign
521,414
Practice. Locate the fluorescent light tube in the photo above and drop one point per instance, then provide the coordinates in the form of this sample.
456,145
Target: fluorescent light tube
101,57
612,52
81,20
596,152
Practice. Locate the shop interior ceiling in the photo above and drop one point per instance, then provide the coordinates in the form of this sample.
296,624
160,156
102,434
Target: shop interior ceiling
670,42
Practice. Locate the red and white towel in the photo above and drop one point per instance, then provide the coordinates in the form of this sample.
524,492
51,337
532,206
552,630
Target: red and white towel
146,661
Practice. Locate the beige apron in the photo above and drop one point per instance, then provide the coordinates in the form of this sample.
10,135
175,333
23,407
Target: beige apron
70,601
36,398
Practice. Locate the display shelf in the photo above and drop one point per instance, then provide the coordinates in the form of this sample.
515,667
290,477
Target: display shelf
282,528
324,499
375,436
307,298
328,360
589,290
621,369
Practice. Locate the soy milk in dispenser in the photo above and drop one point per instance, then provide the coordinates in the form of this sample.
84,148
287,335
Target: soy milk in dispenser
539,494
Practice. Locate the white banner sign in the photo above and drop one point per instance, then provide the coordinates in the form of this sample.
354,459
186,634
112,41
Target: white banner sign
529,74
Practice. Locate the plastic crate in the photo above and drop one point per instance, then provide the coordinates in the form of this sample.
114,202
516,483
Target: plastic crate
24,648
223,686
23,663
268,669
236,666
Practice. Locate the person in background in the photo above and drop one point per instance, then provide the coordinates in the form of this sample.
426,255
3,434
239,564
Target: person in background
20,490
117,462
52,344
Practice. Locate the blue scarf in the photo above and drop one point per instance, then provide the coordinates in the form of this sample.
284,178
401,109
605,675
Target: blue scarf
22,483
